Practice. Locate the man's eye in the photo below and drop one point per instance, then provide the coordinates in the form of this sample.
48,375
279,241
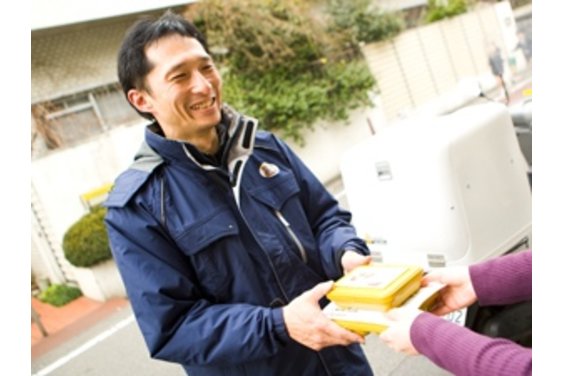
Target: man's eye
207,68
179,76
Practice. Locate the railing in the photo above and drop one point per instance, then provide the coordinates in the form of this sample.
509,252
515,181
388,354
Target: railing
37,320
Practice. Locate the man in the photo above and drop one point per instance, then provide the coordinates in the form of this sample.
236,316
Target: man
496,65
224,239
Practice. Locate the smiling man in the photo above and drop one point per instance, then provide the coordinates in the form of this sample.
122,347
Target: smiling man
225,240
182,90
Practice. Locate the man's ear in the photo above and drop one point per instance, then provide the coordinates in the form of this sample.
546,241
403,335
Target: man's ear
138,98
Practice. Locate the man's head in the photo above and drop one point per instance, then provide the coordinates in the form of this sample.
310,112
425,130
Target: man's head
167,74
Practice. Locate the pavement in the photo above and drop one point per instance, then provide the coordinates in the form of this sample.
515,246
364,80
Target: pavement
63,323
87,337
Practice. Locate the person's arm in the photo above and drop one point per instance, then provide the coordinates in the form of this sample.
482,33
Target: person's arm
331,224
178,324
503,280
465,353
457,349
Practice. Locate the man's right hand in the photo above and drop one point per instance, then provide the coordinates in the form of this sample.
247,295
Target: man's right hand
307,324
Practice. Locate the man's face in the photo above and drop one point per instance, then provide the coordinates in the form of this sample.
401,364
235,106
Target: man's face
183,88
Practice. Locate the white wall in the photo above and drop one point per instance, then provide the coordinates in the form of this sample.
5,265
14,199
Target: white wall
60,179
326,142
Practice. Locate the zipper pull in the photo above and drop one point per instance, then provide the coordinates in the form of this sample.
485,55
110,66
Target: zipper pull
282,219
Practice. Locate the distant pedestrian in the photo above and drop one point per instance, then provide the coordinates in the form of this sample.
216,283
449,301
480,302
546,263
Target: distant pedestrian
526,45
496,65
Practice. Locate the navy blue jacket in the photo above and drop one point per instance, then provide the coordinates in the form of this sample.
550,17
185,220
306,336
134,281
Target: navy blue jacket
209,255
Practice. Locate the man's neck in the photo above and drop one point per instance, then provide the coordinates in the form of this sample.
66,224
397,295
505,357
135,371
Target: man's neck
207,144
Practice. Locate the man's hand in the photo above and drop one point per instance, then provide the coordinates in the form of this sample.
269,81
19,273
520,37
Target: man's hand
307,324
352,259
458,293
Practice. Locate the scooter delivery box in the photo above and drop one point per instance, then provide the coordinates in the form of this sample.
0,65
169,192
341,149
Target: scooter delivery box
441,190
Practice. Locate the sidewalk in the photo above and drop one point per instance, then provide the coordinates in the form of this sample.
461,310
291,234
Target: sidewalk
62,323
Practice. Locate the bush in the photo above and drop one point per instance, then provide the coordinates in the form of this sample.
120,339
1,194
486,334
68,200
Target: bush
289,106
364,22
436,11
86,242
59,295
280,65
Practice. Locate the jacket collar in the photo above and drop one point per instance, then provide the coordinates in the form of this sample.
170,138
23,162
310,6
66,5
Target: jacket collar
240,141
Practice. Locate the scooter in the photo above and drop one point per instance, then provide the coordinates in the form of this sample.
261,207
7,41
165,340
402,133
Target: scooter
513,321
522,118
447,190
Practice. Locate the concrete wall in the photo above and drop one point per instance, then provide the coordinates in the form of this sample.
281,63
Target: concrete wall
428,62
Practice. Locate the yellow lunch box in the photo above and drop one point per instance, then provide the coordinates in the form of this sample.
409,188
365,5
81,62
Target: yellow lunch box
376,286
364,321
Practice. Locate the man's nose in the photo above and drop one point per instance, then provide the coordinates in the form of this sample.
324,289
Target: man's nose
200,83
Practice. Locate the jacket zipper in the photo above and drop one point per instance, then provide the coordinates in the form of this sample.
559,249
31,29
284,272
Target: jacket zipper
292,235
280,286
270,264
278,281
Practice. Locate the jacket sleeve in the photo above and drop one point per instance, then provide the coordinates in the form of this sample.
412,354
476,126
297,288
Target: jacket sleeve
330,223
465,353
503,280
177,324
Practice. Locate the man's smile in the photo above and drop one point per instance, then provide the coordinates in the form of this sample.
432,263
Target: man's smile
203,105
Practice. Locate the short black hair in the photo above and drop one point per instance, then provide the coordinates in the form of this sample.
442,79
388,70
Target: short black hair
133,65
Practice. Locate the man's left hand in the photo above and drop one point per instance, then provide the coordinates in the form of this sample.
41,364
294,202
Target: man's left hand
352,259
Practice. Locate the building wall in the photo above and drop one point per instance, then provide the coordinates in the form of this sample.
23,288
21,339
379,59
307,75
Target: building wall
68,61
428,62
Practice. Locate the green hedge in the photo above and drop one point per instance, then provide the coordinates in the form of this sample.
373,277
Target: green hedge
289,106
59,295
436,11
363,21
86,242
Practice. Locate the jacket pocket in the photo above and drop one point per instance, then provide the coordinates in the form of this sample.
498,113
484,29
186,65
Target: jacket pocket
280,194
207,243
275,191
200,234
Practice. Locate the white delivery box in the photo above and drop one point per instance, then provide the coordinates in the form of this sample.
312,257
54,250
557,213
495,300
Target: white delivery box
442,190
